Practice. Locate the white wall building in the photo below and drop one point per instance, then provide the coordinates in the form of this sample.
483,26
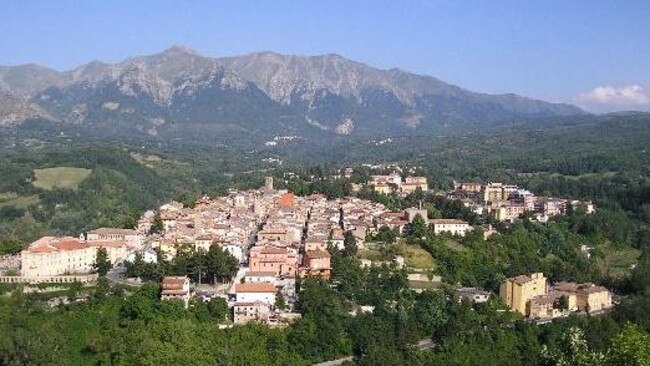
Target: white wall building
253,292
51,256
260,277
451,226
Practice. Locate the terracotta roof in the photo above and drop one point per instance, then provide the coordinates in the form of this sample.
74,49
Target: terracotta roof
446,221
521,279
542,300
259,273
315,254
287,200
112,244
273,250
42,249
254,287
112,231
69,244
174,283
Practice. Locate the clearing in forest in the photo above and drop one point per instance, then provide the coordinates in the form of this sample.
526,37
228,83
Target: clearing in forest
60,177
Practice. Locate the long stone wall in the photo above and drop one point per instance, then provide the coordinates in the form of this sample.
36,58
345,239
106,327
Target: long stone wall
49,279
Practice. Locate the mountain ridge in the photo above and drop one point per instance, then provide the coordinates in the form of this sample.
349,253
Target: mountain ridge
300,94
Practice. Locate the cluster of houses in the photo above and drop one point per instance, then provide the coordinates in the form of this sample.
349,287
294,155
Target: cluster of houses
532,297
394,183
507,202
278,237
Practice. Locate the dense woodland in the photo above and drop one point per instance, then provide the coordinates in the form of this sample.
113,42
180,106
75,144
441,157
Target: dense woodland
603,159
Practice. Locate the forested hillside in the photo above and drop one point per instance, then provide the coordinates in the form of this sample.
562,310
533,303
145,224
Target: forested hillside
100,182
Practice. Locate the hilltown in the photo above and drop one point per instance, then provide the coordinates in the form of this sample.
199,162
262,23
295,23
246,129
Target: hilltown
278,238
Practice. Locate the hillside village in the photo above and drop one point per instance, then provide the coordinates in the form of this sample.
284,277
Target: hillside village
277,238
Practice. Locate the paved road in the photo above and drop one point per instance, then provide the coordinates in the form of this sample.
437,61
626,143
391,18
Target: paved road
423,345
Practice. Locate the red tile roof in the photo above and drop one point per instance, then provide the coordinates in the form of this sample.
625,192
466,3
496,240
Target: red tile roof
254,287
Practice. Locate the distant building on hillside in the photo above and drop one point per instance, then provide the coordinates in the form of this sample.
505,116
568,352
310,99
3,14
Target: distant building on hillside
412,212
52,256
518,291
268,184
176,288
411,184
316,263
131,237
451,226
533,298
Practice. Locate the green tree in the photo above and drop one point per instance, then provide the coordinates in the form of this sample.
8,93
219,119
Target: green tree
279,301
386,235
218,308
572,350
349,244
74,290
102,263
417,230
631,347
157,224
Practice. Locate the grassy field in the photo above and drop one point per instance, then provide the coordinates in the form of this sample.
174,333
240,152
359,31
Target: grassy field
7,199
8,196
454,245
415,257
60,177
617,261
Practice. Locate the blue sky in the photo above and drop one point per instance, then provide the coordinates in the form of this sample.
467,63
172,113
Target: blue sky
594,53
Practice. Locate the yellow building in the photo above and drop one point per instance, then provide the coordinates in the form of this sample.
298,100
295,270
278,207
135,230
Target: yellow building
592,298
518,291
411,184
52,256
585,297
384,188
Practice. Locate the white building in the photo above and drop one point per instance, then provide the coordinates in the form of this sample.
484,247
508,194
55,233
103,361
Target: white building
52,256
451,226
260,277
131,237
244,312
252,292
148,256
176,288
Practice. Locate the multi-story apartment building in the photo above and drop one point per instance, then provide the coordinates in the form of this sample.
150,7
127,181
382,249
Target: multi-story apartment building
518,291
52,256
279,260
131,237
451,226
411,184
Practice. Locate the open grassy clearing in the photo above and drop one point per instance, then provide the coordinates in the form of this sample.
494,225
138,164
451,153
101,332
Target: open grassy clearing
454,245
20,201
415,257
60,177
8,196
617,261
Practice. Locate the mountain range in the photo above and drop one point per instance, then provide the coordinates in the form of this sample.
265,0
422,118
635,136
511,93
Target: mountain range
180,93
